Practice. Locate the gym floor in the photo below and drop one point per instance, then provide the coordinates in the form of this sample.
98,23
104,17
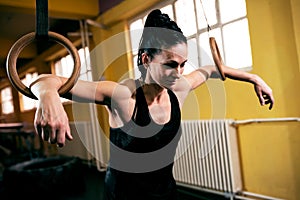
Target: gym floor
89,185
93,189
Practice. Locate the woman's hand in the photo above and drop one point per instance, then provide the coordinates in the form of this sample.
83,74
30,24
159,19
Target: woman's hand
51,121
263,92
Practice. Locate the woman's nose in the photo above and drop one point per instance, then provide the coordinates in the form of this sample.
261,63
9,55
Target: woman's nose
177,71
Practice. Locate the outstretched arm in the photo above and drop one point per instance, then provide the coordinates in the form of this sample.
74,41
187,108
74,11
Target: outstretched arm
51,121
263,91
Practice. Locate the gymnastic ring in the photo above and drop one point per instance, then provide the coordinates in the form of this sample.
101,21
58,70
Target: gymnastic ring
217,57
21,43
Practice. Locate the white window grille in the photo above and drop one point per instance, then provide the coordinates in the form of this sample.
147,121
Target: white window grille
27,103
64,66
227,20
7,101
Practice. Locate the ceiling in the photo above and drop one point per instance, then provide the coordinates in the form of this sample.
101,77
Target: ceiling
15,25
19,19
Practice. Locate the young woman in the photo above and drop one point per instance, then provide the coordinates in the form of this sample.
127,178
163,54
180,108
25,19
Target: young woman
144,114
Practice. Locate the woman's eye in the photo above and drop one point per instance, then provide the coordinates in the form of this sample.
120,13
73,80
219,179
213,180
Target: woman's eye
174,64
171,64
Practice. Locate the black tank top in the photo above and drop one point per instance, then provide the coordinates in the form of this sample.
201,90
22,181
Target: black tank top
142,154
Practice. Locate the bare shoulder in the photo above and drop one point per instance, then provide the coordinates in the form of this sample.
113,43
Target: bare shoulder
122,103
130,84
181,89
124,90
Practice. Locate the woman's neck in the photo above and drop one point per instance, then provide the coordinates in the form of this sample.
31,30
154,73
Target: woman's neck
152,91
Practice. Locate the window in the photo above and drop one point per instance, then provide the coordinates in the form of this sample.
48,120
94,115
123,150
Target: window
64,67
27,103
7,101
228,23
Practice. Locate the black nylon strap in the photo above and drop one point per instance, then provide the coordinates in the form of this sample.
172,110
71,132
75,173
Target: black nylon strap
42,26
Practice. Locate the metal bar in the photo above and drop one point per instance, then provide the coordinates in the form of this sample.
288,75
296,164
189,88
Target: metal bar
205,157
225,161
197,142
192,154
185,161
201,147
218,156
11,125
213,154
222,157
96,24
209,155
259,196
242,197
230,195
263,120
225,194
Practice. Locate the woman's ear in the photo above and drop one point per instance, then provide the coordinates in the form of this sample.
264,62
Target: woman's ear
145,59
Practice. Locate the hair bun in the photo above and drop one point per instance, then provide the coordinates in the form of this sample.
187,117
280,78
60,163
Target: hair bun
153,19
157,19
161,20
155,13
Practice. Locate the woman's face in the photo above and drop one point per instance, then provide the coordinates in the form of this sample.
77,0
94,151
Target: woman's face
166,67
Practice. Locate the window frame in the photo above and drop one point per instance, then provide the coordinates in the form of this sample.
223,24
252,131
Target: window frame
85,69
24,99
11,100
218,25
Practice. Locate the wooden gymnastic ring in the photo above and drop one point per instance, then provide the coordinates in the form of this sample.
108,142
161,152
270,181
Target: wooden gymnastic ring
217,57
21,43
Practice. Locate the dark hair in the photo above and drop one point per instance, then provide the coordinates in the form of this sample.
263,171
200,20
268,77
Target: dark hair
160,32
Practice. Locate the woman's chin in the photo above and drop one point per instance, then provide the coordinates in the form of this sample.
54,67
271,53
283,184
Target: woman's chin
169,84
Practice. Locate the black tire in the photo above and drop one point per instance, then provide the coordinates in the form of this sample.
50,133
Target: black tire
45,176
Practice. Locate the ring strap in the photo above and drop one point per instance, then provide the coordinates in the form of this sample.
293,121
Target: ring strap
42,24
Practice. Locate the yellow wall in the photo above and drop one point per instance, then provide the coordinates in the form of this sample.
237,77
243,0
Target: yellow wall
269,151
295,5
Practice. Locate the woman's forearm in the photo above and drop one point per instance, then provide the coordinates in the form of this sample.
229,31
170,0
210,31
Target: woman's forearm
231,73
45,84
240,75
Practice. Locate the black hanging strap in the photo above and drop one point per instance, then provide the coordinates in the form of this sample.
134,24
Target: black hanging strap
41,19
208,27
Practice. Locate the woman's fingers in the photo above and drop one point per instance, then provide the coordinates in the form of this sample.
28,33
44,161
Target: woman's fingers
53,139
46,132
269,100
68,134
38,129
52,127
54,135
264,93
261,100
60,136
